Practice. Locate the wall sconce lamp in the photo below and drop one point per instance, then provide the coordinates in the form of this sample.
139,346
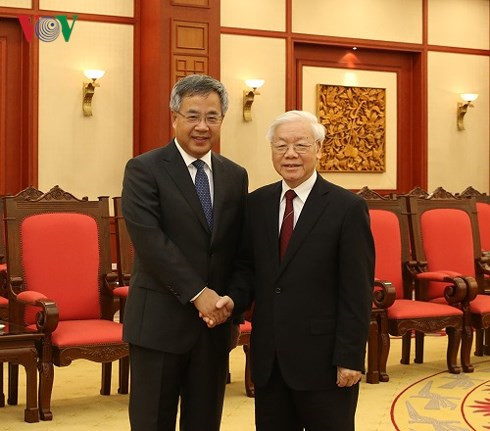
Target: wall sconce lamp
89,89
463,107
248,96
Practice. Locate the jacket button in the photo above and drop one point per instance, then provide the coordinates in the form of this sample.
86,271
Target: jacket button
277,290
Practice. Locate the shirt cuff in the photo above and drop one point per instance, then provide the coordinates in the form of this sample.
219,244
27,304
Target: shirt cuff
195,297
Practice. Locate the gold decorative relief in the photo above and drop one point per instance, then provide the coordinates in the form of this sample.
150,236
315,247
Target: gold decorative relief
354,118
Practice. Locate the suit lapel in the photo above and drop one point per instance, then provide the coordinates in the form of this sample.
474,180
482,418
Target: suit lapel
178,171
271,206
220,185
313,208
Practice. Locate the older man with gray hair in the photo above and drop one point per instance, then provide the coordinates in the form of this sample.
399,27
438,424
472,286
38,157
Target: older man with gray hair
308,267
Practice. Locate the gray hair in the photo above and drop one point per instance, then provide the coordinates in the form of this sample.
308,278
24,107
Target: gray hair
317,128
193,85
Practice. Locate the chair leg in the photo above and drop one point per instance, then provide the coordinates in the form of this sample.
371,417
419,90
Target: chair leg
383,347
486,343
419,347
406,340
467,340
2,395
249,386
372,375
123,375
105,388
13,383
46,378
479,342
454,338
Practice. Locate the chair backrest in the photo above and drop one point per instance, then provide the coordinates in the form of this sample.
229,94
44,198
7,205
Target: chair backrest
389,226
59,246
25,194
483,214
445,236
124,246
483,210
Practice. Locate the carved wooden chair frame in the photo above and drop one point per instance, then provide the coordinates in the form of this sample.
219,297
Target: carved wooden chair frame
59,201
442,199
383,298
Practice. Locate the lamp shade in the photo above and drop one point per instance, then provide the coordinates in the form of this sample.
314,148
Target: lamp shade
94,73
254,83
469,97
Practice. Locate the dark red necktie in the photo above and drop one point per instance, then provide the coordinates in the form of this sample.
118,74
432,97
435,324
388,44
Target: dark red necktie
287,223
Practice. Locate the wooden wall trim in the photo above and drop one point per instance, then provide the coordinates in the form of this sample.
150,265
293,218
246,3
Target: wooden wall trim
136,79
113,19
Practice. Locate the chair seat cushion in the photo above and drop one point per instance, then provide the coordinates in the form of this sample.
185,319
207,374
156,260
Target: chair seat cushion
480,305
246,326
408,309
3,301
86,333
121,292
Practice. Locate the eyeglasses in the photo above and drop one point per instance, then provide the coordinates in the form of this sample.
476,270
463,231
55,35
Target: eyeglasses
210,120
300,147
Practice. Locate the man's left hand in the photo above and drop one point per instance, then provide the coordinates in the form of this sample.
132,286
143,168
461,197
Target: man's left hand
347,377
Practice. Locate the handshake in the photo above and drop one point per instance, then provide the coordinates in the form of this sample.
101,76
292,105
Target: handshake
213,309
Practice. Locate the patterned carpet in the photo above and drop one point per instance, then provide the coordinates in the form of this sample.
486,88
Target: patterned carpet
418,397
445,402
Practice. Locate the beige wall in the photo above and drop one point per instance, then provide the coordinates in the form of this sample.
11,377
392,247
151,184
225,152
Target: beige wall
243,141
16,3
104,7
86,155
458,159
459,23
452,23
394,20
257,14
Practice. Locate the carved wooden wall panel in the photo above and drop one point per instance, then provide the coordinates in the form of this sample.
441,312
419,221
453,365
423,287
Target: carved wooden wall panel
190,37
188,65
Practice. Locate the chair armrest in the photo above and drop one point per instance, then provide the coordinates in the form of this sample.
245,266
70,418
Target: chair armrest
384,294
110,282
126,278
47,318
484,263
461,288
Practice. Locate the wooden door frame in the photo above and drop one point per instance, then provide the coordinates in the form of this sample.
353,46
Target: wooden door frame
409,66
27,173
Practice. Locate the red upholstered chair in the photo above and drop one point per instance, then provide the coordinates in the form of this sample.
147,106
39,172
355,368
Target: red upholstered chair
59,267
483,216
445,237
26,194
244,341
3,314
395,270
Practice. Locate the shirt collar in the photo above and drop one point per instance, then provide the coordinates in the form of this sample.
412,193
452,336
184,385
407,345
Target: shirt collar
188,159
303,190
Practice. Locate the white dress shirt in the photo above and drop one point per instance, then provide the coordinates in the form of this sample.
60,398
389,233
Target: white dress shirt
188,159
302,193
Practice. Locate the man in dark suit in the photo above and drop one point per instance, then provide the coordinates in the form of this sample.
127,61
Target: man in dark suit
184,209
309,257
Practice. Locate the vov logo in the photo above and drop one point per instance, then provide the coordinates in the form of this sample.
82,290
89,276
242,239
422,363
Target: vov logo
47,28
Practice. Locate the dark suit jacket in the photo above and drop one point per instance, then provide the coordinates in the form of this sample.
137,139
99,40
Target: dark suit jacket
175,253
312,309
